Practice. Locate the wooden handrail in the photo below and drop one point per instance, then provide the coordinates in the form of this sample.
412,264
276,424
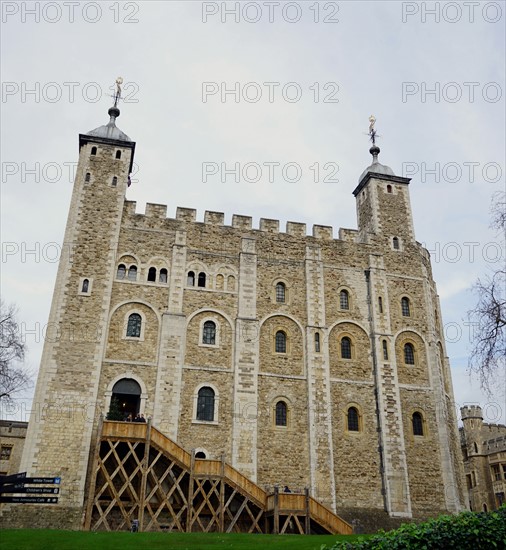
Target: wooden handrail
328,519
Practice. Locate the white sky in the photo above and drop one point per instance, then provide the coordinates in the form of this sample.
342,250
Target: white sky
373,57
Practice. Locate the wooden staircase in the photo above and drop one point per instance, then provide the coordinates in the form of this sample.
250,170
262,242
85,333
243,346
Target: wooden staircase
140,474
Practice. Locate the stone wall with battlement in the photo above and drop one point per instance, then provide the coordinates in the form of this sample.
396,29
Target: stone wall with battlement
484,452
244,223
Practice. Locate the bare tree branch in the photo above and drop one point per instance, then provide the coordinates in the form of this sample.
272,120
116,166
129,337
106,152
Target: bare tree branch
13,375
488,354
498,211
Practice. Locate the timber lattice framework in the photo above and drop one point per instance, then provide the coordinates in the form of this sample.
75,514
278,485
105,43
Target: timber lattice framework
140,474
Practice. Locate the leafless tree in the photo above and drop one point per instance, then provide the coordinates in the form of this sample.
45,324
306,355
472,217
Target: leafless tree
488,354
14,377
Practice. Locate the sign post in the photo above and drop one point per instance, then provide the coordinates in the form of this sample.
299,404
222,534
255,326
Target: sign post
18,484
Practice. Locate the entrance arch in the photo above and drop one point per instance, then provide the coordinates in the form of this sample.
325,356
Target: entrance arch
128,392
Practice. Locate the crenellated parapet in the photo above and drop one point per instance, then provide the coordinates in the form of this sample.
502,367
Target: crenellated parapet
471,411
243,223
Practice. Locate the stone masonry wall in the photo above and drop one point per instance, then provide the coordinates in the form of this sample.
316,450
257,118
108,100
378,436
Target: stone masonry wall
228,274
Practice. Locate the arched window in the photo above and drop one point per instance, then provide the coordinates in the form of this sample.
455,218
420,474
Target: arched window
200,454
190,279
475,448
114,181
120,274
205,404
417,421
280,292
281,413
209,333
86,285
87,177
409,354
395,242
317,342
385,350
202,279
406,310
280,342
118,154
163,275
389,188
132,273
353,420
152,274
344,299
345,348
93,150
485,509
134,325
380,304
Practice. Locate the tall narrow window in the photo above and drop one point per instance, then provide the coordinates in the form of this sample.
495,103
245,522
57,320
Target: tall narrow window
202,279
389,188
132,273
86,285
317,342
496,472
190,279
209,333
409,354
280,342
152,274
281,416
93,151
344,299
87,177
163,275
385,350
406,310
353,422
205,404
118,154
280,292
134,325
345,348
380,304
417,421
120,274
114,181
395,242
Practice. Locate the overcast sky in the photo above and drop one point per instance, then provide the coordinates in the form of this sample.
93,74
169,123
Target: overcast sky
431,72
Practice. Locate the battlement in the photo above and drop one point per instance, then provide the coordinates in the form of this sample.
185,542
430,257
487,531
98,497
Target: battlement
495,445
241,222
471,411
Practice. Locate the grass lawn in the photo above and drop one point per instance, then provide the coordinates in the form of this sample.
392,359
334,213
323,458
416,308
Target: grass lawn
45,539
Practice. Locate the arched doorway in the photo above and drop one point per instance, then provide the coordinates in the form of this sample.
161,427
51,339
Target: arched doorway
128,393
